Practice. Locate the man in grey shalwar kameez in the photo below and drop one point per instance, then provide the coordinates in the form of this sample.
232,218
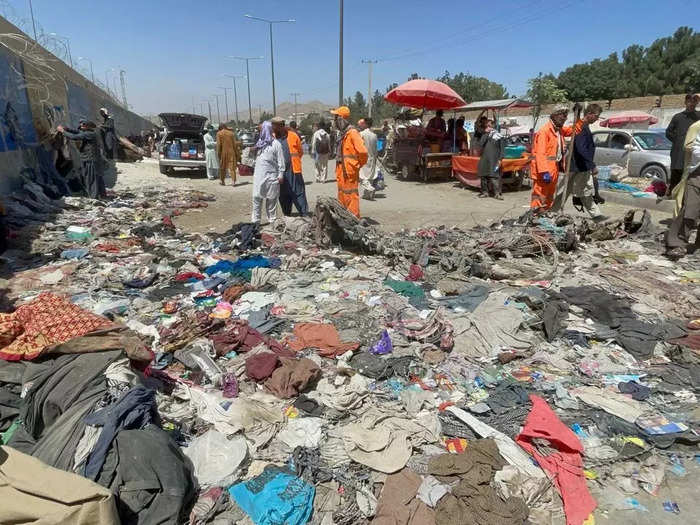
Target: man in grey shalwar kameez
489,167
90,159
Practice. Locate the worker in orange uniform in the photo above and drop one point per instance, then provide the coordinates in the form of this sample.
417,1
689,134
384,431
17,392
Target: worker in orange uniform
548,153
293,190
351,155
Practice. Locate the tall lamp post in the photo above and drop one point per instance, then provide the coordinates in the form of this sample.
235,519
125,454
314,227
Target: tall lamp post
272,54
218,111
225,100
247,74
340,57
235,93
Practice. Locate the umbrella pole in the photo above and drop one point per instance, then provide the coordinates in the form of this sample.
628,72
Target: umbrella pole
454,131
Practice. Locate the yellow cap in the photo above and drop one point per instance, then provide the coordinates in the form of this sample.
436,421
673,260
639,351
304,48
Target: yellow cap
342,111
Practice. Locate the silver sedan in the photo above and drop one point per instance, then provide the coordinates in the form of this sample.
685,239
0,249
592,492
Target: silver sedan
645,153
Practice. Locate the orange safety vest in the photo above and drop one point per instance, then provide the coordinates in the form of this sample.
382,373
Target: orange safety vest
544,149
295,150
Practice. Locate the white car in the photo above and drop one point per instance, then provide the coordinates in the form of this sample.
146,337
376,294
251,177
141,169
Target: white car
645,153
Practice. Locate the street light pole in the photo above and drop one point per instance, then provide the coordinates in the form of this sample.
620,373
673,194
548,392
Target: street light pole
218,111
340,57
235,94
295,95
226,100
31,10
369,88
247,74
272,54
209,106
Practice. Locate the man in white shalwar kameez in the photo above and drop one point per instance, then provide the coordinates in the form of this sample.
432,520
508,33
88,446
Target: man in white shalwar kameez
369,171
268,174
210,157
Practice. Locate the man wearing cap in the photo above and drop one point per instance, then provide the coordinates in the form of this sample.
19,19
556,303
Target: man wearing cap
548,158
351,155
292,190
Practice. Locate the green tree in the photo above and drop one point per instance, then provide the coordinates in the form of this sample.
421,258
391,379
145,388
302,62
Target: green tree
265,116
543,90
472,88
357,105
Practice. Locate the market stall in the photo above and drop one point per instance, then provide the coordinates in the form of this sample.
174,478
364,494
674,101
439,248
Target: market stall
411,152
515,164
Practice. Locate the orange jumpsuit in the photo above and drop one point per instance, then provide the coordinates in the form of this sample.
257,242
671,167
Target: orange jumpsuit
296,150
544,151
352,155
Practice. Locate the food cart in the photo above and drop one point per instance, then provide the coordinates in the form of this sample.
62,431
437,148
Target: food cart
411,153
513,170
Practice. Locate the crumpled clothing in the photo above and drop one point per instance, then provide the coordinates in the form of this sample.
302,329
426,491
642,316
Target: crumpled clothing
34,492
415,273
435,329
638,391
260,366
505,397
275,497
431,490
293,377
232,293
240,337
398,504
375,444
141,282
185,277
47,320
566,464
467,300
405,288
323,336
302,432
477,464
215,458
135,409
612,402
348,396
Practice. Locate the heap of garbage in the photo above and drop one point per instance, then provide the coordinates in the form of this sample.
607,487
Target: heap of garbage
324,371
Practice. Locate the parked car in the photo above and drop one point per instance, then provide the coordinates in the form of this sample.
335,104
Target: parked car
182,145
648,151
247,138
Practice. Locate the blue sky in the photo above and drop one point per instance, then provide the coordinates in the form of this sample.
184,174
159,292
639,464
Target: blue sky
173,50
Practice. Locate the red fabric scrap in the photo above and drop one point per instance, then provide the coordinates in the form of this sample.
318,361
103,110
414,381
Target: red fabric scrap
566,466
415,273
186,276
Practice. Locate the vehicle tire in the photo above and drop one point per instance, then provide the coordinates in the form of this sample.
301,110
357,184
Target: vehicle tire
651,171
404,172
165,170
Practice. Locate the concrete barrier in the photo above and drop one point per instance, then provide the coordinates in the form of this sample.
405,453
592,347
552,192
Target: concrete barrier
38,92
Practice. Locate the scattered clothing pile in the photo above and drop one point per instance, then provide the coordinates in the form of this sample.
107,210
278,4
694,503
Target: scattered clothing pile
323,371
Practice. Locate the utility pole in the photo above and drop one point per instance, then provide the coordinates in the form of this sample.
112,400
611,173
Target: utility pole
272,54
295,95
209,106
122,75
247,74
340,58
194,109
369,87
218,111
235,94
226,100
31,10
260,111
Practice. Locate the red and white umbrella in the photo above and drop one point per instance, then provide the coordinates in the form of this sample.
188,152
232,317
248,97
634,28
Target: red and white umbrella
623,118
427,94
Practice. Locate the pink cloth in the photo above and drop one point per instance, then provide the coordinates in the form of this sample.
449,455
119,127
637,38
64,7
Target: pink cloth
566,466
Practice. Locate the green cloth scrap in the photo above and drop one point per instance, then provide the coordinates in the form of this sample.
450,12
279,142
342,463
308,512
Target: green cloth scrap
405,288
7,435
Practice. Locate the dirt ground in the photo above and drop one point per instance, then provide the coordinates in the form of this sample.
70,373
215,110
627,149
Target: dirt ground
404,204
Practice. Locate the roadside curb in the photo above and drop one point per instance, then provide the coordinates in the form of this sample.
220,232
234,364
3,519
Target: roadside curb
637,202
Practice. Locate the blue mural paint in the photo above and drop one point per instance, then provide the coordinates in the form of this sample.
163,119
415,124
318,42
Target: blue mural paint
16,126
78,104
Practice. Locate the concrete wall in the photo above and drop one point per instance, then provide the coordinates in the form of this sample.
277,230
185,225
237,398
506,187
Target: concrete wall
38,92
